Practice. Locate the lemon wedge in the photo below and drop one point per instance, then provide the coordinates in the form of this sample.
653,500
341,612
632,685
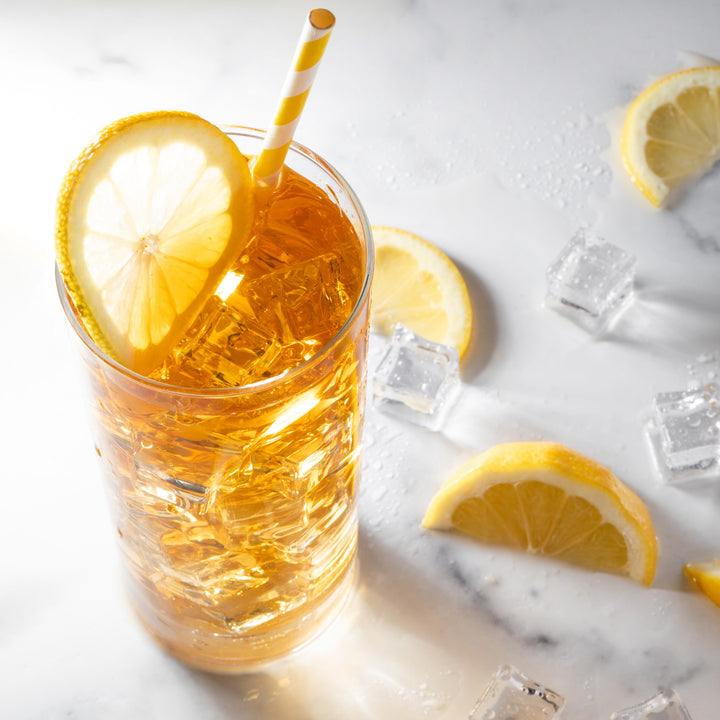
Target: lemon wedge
547,499
706,577
417,285
672,132
149,219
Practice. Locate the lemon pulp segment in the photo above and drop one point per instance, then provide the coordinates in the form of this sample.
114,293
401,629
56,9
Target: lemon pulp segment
671,133
417,285
149,219
547,499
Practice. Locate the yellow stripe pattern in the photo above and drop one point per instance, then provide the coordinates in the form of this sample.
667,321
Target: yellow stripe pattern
312,53
290,108
270,161
298,83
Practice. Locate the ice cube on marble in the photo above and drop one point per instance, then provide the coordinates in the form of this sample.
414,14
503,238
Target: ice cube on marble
685,433
513,696
591,282
416,379
666,705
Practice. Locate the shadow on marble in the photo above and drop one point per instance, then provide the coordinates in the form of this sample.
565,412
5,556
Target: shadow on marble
661,319
485,327
689,198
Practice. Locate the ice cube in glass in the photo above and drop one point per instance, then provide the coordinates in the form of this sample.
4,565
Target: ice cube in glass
591,282
666,705
416,379
513,696
685,433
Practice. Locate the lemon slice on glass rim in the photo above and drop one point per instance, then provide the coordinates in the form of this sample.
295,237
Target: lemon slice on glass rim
149,219
549,500
671,134
417,285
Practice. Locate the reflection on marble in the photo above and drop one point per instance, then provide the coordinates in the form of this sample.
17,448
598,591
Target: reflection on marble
490,128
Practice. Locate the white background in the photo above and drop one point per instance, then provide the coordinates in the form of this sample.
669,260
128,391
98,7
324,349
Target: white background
491,128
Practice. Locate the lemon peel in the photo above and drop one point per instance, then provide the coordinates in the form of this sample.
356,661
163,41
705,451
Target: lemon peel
671,134
705,576
547,499
416,284
149,218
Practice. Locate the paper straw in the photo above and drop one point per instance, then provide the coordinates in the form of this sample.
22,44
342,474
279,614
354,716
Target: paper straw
299,80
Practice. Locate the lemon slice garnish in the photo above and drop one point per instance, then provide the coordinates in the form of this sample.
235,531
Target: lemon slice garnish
672,132
706,577
419,286
547,499
150,217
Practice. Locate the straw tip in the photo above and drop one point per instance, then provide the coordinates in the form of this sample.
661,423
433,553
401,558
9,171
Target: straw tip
321,19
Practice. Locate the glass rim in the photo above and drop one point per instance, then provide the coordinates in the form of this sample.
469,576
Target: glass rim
275,380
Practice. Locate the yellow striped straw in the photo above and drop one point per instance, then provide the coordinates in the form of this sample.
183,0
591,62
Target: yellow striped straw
299,80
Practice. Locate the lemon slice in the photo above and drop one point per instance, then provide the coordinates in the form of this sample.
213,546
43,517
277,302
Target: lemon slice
150,217
419,286
706,577
672,132
547,499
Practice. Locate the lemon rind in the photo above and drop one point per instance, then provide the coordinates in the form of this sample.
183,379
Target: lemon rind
568,470
705,576
431,258
635,135
74,277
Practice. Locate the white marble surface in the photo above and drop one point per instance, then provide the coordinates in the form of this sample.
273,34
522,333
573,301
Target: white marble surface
491,128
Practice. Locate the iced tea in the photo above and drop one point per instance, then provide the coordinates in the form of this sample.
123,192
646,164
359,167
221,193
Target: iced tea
233,469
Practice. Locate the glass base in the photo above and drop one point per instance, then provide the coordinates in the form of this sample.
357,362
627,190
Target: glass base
233,654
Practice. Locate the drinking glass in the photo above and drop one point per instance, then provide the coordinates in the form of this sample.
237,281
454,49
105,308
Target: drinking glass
235,508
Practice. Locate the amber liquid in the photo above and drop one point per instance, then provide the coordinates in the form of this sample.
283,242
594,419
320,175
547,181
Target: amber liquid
236,509
290,292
